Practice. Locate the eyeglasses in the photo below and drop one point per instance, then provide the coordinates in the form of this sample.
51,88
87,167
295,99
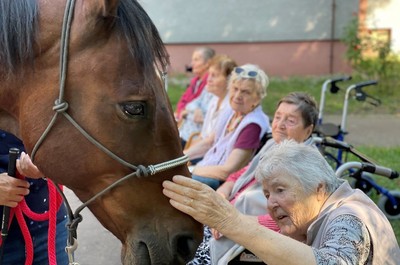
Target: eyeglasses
248,74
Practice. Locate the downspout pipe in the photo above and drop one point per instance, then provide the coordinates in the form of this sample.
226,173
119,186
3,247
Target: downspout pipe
332,42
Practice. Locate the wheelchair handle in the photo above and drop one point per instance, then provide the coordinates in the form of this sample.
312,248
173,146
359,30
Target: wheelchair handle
383,171
363,96
331,142
342,78
366,83
341,145
334,88
358,87
368,167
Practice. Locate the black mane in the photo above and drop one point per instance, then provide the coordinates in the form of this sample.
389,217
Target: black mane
19,26
142,36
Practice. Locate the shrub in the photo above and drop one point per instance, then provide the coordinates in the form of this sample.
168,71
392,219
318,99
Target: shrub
371,56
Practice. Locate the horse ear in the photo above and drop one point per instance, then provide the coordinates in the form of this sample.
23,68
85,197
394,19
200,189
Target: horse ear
109,7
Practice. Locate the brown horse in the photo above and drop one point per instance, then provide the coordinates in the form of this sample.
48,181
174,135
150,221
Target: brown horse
112,89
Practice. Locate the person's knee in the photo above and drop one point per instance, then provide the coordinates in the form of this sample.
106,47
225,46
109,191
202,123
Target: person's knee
213,183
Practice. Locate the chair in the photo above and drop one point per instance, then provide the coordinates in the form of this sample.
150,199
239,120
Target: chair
264,139
192,139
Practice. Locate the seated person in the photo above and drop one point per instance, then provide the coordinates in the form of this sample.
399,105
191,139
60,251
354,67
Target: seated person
193,119
295,117
238,131
200,62
322,219
220,69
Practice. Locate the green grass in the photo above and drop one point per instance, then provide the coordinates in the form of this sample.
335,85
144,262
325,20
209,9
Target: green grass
333,102
388,157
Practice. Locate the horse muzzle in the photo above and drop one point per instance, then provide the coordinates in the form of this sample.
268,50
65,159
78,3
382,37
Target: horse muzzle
153,249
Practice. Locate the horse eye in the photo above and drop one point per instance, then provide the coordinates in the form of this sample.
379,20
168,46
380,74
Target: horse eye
134,109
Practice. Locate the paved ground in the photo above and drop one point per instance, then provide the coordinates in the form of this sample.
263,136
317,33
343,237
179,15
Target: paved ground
371,130
97,246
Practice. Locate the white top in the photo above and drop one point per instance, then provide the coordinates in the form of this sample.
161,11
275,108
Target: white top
189,126
212,114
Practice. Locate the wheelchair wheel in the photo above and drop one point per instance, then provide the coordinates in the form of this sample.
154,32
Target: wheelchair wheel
363,183
388,208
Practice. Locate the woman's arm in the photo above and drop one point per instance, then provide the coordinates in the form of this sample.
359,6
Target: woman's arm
246,143
198,149
237,159
206,206
225,189
269,246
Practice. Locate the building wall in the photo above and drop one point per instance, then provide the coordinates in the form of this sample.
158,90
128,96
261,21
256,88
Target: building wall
384,14
284,37
276,58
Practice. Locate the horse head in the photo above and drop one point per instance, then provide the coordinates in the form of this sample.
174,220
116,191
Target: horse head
113,90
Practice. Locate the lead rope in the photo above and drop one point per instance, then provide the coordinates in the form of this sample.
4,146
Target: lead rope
61,106
50,215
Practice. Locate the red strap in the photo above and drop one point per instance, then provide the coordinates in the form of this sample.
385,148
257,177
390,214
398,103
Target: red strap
26,234
22,209
51,242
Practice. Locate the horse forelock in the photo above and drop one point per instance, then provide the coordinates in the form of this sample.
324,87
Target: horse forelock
19,26
142,36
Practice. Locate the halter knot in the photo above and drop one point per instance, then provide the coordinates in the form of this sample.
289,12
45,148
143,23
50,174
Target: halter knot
60,106
73,225
142,171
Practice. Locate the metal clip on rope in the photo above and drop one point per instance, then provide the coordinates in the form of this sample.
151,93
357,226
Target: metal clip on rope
70,249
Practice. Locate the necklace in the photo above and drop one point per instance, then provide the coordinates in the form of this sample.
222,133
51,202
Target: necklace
234,122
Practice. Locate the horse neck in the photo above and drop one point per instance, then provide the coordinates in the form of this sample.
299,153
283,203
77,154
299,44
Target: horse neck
8,123
10,89
9,106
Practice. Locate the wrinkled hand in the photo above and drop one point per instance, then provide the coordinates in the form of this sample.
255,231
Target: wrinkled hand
201,202
12,190
184,114
198,116
27,168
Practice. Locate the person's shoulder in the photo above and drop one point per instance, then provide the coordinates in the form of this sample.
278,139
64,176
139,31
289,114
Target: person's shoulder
260,118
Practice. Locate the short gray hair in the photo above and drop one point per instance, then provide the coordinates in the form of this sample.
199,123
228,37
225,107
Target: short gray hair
261,79
301,162
207,52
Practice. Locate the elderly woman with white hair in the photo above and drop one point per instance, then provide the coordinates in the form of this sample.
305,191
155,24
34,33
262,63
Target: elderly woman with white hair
238,131
322,220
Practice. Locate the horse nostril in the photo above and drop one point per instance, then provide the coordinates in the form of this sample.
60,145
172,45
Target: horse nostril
186,247
143,253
